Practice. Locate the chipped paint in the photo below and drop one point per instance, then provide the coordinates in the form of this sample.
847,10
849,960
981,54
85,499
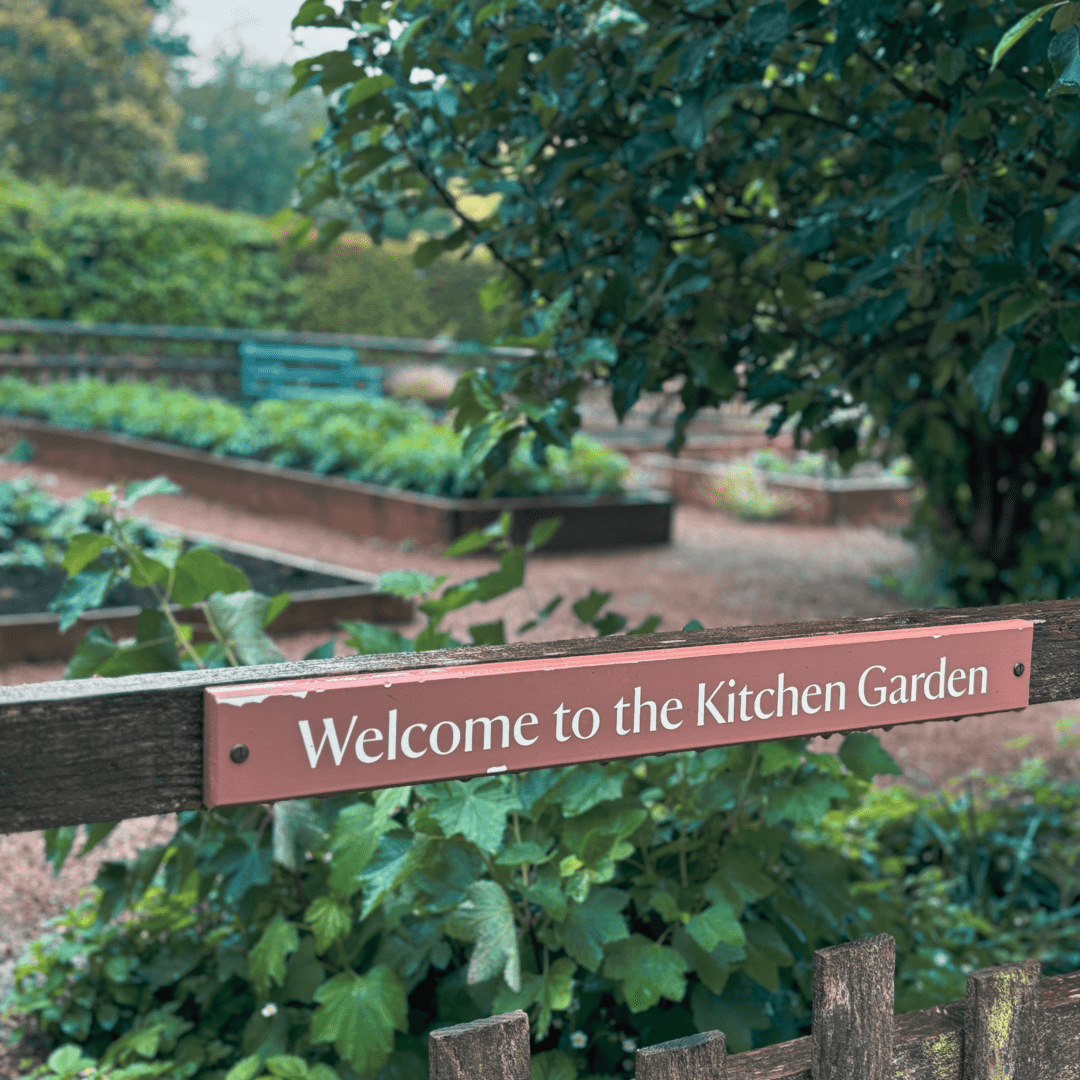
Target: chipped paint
258,699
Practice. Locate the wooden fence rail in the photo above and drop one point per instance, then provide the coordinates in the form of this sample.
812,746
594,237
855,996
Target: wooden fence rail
73,347
104,749
1012,1025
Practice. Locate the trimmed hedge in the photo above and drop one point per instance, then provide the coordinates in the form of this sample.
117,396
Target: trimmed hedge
379,442
73,253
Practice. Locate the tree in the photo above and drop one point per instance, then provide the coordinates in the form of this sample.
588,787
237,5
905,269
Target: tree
84,94
838,210
251,134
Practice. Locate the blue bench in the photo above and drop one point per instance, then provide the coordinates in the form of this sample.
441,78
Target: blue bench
308,372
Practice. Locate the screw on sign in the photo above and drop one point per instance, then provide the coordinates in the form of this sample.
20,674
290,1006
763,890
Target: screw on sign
285,740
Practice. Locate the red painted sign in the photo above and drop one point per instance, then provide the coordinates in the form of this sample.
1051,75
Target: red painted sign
284,740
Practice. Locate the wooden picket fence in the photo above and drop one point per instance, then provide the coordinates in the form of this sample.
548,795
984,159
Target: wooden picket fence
1012,1025
199,356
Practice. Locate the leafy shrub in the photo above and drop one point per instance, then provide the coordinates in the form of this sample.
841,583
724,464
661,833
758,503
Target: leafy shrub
359,287
743,494
381,442
72,253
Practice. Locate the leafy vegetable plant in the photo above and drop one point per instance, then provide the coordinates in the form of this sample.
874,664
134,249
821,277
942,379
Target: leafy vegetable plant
380,442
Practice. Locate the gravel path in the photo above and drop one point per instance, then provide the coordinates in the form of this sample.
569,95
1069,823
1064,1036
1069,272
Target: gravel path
719,571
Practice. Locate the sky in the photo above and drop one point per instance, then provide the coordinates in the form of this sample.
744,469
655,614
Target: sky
261,26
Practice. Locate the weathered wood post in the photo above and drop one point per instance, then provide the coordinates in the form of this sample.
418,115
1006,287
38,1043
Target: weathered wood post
1000,1037
697,1057
852,1032
496,1048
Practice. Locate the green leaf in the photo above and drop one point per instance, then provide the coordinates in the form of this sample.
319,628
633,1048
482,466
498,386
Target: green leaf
476,809
861,752
588,607
716,924
408,584
1066,224
359,1015
329,919
553,1065
85,591
591,925
266,962
1017,309
69,1061
83,549
985,376
367,88
646,972
91,654
371,640
200,572
1017,31
805,802
492,633
647,627
486,917
325,651
141,489
238,619
525,853
246,1068
542,532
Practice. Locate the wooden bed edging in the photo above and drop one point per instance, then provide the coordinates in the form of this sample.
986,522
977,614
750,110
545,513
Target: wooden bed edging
1012,1025
36,636
590,522
94,750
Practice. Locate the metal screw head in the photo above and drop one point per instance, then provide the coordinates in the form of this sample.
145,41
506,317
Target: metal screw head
239,753
1018,669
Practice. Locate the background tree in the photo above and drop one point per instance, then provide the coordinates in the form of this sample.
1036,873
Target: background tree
839,210
84,96
252,136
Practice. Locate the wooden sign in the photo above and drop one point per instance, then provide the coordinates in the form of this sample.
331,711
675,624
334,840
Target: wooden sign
282,740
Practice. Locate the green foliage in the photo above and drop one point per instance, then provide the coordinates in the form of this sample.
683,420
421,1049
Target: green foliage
742,493
251,136
84,95
79,254
988,871
379,442
839,209
358,287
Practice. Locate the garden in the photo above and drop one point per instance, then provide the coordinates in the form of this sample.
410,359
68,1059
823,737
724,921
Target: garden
855,223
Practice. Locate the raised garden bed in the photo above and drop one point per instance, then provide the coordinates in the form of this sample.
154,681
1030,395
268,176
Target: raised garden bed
814,500
321,594
589,521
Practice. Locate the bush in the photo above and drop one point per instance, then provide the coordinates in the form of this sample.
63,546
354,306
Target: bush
743,495
357,287
379,442
72,253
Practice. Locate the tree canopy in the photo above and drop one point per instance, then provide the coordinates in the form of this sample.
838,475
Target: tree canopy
84,95
839,210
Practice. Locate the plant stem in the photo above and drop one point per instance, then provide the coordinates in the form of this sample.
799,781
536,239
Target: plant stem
229,654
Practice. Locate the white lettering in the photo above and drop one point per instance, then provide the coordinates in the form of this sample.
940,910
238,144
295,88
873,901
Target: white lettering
371,735
560,712
828,695
329,735
940,676
757,705
487,722
406,748
619,707
433,742
862,688
813,690
953,692
519,724
704,703
671,703
391,737
915,686
781,690
901,690
638,703
971,683
595,722
744,693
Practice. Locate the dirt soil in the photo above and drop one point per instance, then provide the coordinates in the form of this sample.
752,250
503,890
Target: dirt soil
720,571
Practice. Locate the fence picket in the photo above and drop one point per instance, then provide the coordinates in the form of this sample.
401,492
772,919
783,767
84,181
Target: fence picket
697,1057
496,1048
1000,1038
852,1032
